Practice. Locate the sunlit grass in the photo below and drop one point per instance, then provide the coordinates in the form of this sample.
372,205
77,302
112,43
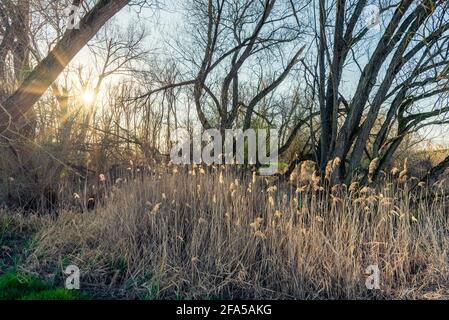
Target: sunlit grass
186,232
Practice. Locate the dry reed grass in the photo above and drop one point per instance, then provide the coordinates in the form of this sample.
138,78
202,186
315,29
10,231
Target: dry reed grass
191,234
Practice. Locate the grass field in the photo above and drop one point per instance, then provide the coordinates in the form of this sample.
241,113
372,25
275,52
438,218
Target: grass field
196,235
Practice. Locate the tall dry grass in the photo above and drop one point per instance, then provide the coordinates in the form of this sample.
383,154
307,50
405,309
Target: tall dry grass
195,234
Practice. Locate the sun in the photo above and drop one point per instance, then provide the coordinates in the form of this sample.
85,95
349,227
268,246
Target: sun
88,97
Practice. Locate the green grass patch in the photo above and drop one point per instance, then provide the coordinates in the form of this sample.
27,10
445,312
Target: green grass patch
15,286
56,294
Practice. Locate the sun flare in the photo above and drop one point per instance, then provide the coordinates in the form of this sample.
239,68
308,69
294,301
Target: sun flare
88,97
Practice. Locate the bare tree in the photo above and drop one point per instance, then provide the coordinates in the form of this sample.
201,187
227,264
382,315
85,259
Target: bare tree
227,38
397,75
